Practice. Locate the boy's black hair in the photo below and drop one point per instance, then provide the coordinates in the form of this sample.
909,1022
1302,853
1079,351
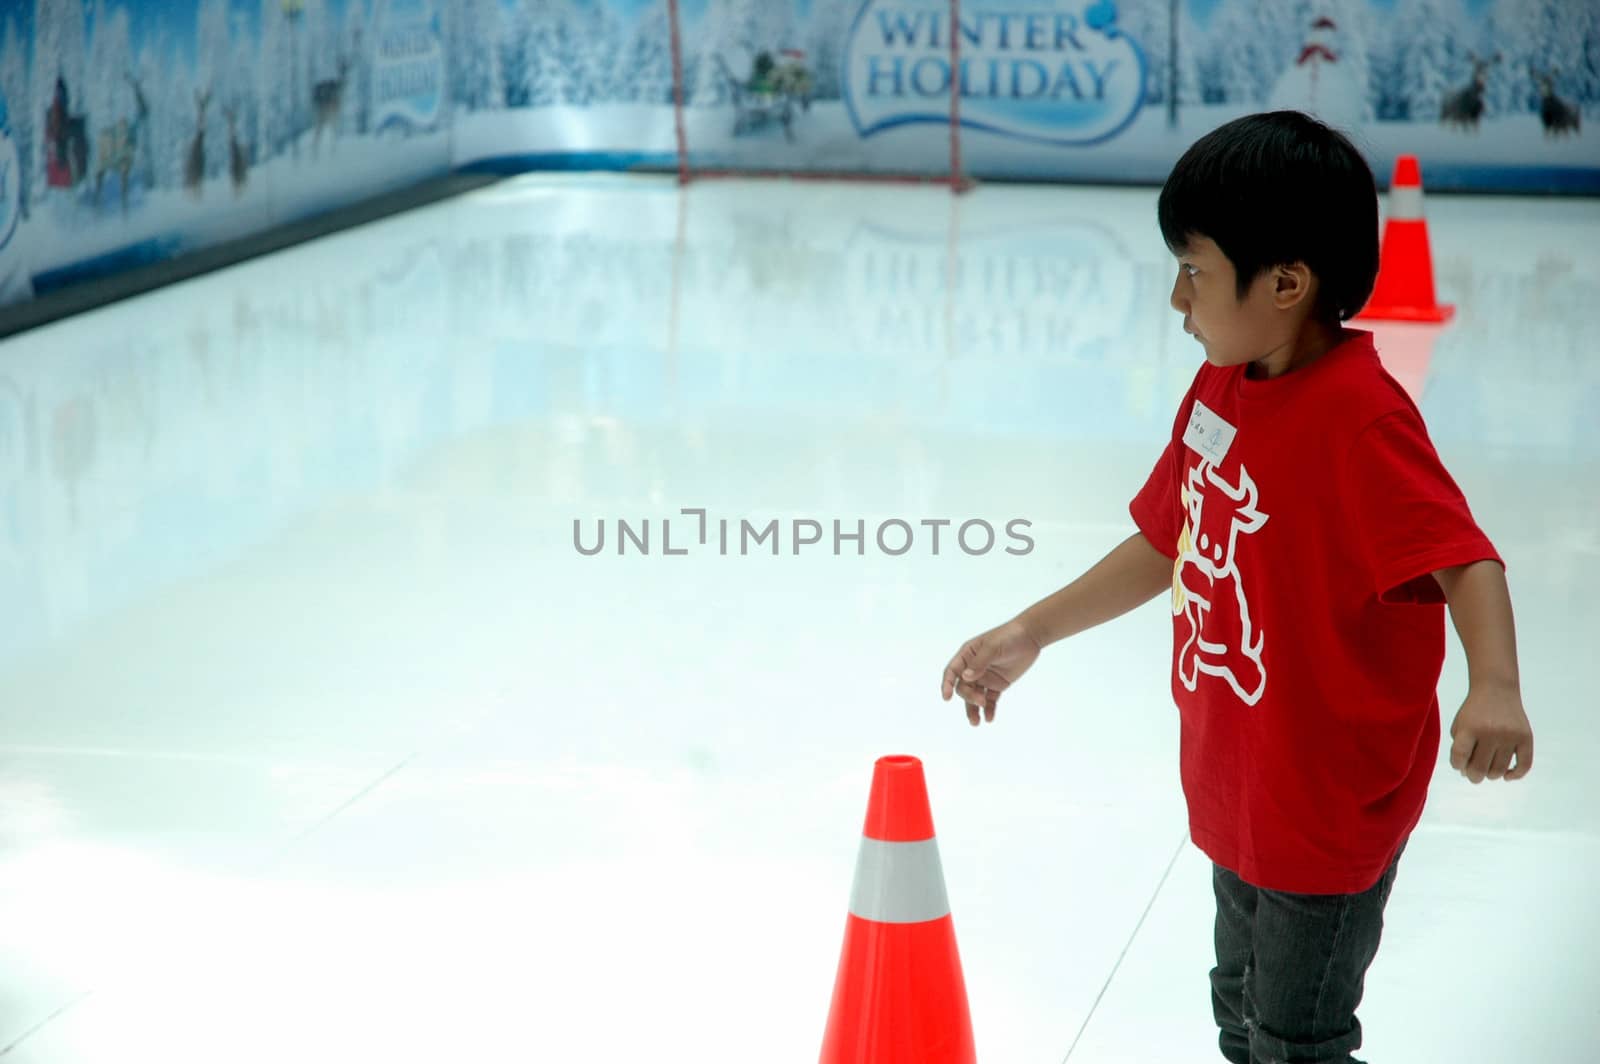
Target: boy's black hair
1276,188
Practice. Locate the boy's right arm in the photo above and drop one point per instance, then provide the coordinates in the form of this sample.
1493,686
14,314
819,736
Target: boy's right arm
986,666
1131,575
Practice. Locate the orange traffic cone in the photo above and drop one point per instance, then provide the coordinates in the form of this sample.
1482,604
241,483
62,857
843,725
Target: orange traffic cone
899,997
1404,290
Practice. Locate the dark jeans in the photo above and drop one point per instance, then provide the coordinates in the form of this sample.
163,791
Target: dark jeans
1291,969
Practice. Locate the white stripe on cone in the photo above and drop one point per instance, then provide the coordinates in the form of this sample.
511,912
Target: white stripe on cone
1405,203
899,882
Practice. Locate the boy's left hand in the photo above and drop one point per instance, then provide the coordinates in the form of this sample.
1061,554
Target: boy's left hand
1490,727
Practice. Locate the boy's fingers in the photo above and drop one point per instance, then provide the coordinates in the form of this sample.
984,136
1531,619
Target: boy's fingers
1524,760
955,689
980,703
967,658
1478,767
972,709
953,681
989,681
1461,751
1500,762
952,676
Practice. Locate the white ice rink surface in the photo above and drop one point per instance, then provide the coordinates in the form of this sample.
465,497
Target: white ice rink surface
321,742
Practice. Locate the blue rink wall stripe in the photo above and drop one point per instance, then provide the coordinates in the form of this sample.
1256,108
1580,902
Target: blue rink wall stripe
899,882
109,263
1436,176
1520,180
525,162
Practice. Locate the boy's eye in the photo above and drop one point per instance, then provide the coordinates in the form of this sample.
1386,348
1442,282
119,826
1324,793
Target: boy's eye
1188,268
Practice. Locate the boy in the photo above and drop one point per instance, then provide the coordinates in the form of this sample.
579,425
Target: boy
1311,539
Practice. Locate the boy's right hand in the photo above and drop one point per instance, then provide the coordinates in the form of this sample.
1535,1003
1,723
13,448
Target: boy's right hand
986,666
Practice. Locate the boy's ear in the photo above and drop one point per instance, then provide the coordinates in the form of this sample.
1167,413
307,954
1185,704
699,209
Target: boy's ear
1292,284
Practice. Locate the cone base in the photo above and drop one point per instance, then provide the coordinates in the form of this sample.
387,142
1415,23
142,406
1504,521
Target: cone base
899,997
1434,314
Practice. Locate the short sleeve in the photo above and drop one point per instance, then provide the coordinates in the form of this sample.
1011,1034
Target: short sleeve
1155,508
1406,513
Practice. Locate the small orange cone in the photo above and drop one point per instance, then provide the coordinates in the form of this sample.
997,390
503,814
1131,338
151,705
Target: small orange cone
899,997
1404,289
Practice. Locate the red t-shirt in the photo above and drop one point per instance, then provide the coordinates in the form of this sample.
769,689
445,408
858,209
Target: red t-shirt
1305,515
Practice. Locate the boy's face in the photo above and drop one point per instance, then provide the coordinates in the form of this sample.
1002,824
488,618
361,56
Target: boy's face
1235,331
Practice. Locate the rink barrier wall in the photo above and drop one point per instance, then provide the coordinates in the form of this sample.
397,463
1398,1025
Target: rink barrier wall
79,289
337,104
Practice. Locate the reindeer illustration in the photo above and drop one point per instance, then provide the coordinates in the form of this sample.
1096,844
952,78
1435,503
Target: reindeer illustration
119,144
194,168
238,161
1556,115
1464,107
327,97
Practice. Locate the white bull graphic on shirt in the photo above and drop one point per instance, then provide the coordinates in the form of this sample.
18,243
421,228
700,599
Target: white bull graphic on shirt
1206,586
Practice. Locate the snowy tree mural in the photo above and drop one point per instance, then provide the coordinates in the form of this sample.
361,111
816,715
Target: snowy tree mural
148,68
1254,42
533,70
645,68
312,55
1357,27
1536,37
1584,80
1146,23
326,47
1434,47
475,30
244,82
514,56
824,43
591,45
1149,23
1192,56
560,52
356,43
19,103
733,32
1386,56
539,31
173,99
275,109
107,96
216,75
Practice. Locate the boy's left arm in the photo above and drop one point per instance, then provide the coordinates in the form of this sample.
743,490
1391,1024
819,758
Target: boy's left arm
1491,726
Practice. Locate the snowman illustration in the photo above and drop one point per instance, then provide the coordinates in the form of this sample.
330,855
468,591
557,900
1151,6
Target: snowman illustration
1319,81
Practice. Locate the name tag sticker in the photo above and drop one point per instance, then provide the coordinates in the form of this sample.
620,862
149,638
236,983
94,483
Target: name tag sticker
1208,435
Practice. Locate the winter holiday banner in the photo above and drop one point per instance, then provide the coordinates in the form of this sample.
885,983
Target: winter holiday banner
1492,94
132,131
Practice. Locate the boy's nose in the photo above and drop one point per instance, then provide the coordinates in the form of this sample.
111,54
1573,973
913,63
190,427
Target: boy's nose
1179,301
